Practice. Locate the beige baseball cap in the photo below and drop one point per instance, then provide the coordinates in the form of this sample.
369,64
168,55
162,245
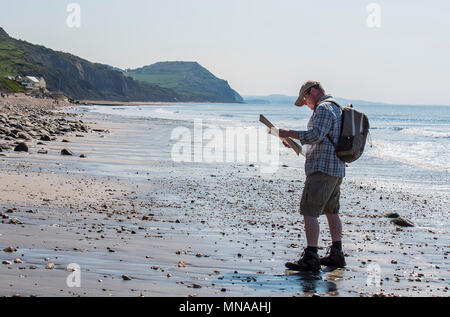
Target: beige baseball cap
305,87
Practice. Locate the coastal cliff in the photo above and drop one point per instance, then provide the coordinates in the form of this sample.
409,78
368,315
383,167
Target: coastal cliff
81,79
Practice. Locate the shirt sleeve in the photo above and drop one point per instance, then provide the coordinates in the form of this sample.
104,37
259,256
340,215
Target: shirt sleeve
322,122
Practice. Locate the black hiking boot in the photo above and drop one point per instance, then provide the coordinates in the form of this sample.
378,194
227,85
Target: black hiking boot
335,258
309,262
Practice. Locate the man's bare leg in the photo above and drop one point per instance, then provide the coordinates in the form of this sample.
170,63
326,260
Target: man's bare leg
335,225
336,256
310,261
312,231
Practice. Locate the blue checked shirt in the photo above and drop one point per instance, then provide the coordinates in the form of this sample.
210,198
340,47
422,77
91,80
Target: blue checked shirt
320,153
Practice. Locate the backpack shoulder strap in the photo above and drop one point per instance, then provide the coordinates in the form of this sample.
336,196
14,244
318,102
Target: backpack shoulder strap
340,108
331,100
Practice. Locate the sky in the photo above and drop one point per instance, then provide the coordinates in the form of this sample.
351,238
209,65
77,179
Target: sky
396,52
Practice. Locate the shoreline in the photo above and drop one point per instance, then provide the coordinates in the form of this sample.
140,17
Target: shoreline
186,229
145,103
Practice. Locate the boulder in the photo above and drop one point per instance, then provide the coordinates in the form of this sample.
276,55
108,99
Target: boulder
392,215
5,146
66,151
21,147
402,222
5,130
24,135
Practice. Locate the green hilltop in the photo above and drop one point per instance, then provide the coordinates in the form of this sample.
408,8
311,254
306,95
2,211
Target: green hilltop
188,79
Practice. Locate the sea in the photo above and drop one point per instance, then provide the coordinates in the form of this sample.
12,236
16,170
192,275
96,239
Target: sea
408,146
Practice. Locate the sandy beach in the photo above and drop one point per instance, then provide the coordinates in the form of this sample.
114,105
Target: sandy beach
139,224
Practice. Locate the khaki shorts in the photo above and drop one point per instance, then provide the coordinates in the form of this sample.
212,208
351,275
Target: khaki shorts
320,195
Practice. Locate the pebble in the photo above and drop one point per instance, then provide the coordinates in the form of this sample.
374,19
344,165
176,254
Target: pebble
126,278
50,266
392,215
66,151
14,221
10,249
402,222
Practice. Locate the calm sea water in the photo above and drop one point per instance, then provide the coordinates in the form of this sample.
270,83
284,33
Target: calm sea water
409,145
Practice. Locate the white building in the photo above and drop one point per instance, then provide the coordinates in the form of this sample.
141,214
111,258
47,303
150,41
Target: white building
34,82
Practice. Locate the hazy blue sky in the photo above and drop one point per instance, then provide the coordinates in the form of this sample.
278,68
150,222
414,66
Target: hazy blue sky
260,46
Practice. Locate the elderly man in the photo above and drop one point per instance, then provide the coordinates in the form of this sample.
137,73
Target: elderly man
324,174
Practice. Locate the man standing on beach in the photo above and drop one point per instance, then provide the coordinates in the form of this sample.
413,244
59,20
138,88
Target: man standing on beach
324,174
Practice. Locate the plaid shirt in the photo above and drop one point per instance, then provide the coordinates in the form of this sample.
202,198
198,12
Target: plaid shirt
320,153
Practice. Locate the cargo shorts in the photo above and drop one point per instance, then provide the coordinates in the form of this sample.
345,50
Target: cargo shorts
320,195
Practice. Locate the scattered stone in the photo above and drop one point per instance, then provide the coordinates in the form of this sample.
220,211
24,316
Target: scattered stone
17,260
402,222
181,264
66,151
15,221
391,215
6,262
82,155
21,147
24,135
10,249
50,266
126,278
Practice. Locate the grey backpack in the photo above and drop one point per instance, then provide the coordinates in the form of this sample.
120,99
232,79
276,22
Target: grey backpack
354,130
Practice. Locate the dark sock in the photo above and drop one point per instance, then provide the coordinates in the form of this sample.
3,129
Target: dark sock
337,245
313,249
